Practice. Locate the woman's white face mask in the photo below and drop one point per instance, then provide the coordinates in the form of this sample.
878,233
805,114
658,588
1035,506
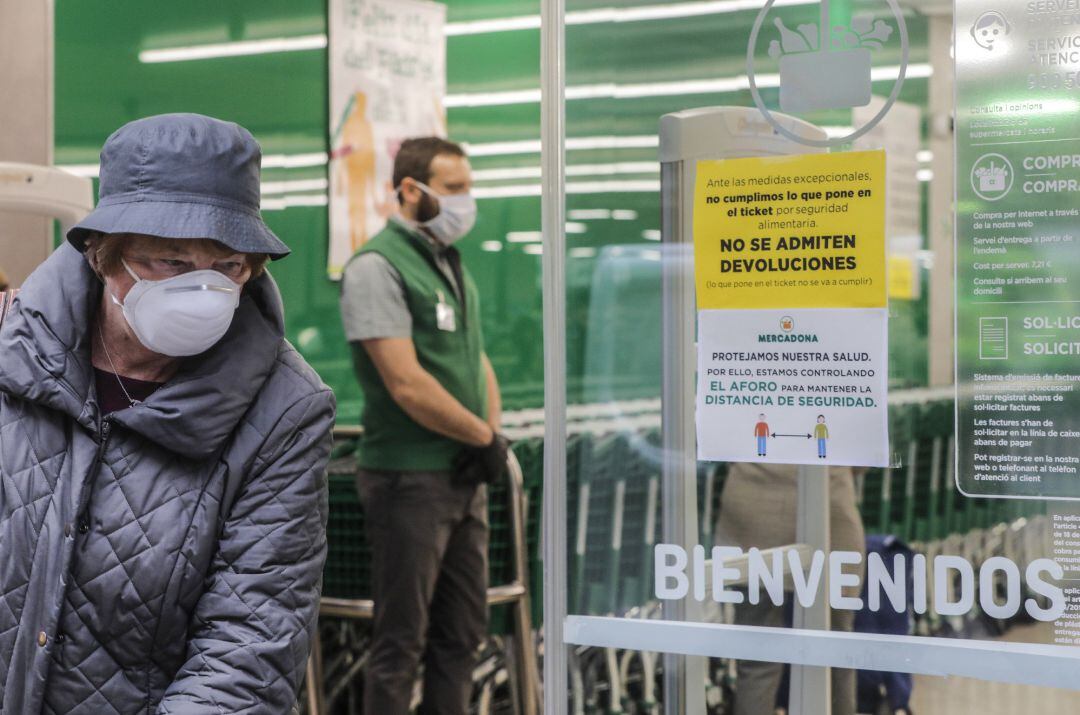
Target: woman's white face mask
456,217
183,315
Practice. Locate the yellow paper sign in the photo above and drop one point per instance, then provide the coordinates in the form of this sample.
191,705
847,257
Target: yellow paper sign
903,278
791,232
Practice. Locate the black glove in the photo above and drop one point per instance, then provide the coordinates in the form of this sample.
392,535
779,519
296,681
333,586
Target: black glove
483,465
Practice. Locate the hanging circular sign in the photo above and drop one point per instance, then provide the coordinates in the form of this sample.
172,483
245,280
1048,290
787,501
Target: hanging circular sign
815,76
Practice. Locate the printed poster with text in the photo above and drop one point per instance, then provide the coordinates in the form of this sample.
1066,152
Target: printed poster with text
387,82
1018,250
1018,275
790,263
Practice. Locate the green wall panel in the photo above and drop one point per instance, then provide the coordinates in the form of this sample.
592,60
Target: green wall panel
281,98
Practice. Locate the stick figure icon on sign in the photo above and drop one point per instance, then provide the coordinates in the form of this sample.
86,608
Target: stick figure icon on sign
761,431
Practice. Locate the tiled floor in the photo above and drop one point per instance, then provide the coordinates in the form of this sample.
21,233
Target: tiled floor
964,696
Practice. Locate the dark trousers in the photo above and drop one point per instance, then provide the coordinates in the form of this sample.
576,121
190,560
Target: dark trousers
429,578
757,683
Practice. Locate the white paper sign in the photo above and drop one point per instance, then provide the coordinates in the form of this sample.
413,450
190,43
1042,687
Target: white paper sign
387,82
795,386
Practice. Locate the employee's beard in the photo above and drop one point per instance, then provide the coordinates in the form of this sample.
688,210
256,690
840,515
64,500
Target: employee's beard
427,209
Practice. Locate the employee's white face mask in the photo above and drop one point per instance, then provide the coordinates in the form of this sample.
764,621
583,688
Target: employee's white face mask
456,217
183,315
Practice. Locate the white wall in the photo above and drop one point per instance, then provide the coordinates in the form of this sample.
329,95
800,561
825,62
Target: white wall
26,121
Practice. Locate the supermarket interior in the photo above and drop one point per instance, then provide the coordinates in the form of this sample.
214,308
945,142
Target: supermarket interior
701,227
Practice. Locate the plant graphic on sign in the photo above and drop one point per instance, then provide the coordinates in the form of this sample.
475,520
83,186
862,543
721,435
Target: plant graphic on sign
827,66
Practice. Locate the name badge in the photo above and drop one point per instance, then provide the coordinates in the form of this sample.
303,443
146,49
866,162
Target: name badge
444,315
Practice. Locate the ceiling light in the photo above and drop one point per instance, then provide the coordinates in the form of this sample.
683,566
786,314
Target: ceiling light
625,167
284,187
279,203
491,246
294,161
233,49
491,99
624,215
533,249
532,146
655,89
269,161
506,192
691,9
613,186
268,188
533,172
588,214
609,15
474,27
572,227
583,252
651,234
502,24
307,200
924,174
528,146
645,141
524,236
925,156
523,172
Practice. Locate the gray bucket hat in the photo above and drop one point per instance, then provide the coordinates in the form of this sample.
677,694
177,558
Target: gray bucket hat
182,176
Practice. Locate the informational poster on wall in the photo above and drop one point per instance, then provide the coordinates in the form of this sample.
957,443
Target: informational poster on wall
387,82
789,255
1018,249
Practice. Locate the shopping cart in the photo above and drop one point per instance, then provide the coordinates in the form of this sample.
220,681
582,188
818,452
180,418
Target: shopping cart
333,673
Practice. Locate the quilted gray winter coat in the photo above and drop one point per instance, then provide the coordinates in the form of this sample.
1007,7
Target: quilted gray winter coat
166,558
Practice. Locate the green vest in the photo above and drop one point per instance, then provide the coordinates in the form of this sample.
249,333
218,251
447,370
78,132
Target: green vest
393,440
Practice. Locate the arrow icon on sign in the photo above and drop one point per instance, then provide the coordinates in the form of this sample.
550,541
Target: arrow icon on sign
774,434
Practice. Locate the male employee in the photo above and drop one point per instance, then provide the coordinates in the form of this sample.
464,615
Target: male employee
431,420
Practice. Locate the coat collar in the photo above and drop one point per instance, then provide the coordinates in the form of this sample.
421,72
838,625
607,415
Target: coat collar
45,359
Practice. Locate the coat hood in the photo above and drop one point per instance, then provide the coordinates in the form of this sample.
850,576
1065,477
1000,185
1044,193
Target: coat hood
45,359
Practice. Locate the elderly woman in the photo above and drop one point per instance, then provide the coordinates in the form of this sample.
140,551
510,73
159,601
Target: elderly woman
162,448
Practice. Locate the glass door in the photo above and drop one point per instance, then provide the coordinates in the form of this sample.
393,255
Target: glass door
809,528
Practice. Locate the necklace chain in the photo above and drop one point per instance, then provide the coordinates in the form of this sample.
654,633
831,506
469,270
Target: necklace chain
112,366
